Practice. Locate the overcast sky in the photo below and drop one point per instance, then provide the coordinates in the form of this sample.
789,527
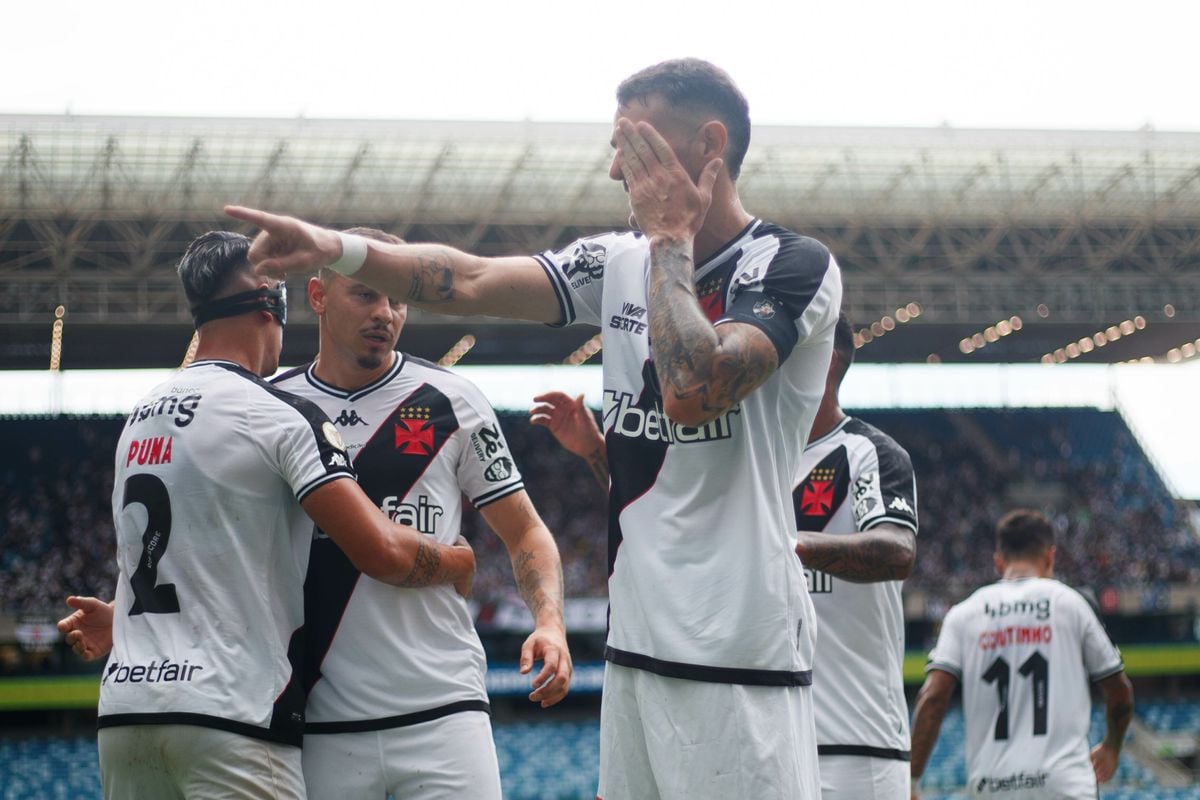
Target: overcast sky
968,63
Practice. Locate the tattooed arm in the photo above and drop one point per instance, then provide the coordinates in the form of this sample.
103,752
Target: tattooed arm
703,371
395,554
430,276
1118,702
538,572
884,553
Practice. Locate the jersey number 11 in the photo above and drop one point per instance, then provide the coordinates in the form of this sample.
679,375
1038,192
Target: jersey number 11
1035,667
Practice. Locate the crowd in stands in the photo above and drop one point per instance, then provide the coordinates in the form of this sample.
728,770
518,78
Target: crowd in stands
1117,524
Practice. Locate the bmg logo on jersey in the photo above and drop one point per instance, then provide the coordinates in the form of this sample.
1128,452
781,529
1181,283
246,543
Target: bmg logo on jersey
1040,608
1011,783
166,672
422,515
626,419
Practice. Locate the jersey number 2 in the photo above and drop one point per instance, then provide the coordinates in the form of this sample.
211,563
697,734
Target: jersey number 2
148,597
1035,667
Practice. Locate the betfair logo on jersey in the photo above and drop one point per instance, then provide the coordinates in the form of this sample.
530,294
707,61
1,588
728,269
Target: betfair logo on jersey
630,319
624,418
818,582
422,515
154,672
1040,608
349,418
1016,782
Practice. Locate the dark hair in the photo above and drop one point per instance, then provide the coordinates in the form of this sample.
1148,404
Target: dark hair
208,263
696,84
843,342
1023,533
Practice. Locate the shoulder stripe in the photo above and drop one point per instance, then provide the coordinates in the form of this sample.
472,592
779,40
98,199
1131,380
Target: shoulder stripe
560,290
944,667
496,494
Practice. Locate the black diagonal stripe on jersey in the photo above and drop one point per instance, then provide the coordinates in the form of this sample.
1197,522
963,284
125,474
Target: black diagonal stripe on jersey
822,492
390,464
633,464
287,714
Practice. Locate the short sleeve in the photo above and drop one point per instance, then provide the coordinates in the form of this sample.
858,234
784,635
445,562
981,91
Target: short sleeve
1101,658
298,438
947,654
577,274
486,469
786,285
883,487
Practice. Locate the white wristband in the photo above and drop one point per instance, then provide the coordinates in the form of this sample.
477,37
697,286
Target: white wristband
354,254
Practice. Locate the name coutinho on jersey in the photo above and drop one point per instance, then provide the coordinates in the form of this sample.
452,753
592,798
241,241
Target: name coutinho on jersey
1023,634
651,423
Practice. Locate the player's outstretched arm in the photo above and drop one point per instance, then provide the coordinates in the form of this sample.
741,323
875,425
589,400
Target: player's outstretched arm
573,425
383,550
930,709
1118,702
538,572
89,629
431,276
886,552
703,370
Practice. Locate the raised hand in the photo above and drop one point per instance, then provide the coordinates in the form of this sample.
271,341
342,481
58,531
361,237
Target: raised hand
287,244
665,200
569,420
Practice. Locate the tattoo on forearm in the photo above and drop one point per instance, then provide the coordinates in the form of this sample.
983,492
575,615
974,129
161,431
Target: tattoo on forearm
1119,717
531,583
598,464
432,280
861,558
687,357
427,566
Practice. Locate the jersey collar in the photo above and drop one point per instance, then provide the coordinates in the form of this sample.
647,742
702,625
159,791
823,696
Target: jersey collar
720,255
836,430
354,394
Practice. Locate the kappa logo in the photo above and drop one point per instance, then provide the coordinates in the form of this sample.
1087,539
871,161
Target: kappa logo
587,264
499,469
338,460
900,504
349,418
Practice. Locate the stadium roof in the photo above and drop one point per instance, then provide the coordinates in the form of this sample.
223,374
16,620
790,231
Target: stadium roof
975,226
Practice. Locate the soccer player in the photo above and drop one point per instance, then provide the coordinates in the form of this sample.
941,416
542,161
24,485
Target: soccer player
396,697
1026,650
708,684
856,510
217,476
855,502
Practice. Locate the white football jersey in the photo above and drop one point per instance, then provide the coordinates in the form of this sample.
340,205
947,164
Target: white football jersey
381,656
852,479
704,582
212,546
1026,652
